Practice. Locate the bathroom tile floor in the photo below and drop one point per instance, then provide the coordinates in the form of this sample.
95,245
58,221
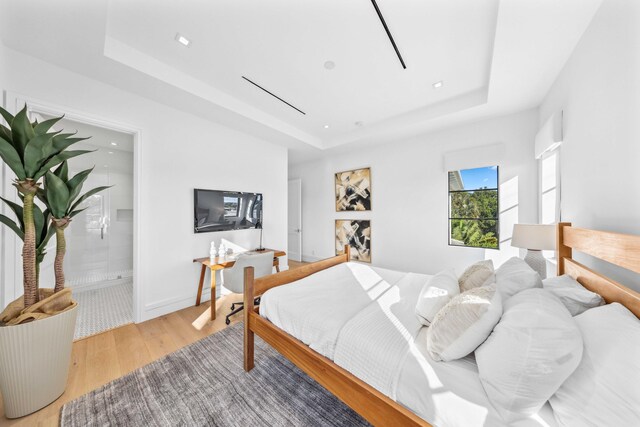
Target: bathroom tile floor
103,309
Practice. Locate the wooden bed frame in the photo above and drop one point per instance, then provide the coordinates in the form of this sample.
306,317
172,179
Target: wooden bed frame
378,409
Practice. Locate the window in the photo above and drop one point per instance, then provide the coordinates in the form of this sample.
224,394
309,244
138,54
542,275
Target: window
550,187
473,208
549,194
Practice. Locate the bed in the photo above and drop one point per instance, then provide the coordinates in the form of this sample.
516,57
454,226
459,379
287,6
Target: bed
398,385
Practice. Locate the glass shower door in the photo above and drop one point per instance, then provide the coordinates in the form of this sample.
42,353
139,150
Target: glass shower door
87,259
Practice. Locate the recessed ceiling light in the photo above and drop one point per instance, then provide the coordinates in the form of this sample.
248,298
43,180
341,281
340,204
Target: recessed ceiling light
110,152
182,40
106,166
114,144
329,65
326,126
438,85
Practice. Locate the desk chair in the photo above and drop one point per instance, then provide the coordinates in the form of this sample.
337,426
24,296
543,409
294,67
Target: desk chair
234,277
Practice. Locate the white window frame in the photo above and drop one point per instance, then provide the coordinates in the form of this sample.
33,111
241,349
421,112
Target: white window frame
558,187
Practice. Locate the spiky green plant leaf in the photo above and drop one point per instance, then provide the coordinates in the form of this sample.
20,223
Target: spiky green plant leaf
57,159
42,128
63,141
8,117
5,133
42,243
87,195
76,212
21,130
75,184
12,225
39,220
57,195
38,150
62,171
12,158
16,209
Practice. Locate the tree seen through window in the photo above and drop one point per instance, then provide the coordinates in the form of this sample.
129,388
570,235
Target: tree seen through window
473,208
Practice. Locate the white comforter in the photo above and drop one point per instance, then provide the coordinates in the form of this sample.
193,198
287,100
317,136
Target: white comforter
363,319
315,309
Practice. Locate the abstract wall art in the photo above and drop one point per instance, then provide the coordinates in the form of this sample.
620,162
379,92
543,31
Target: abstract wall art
353,190
357,234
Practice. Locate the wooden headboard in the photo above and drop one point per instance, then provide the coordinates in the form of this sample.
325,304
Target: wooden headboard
622,250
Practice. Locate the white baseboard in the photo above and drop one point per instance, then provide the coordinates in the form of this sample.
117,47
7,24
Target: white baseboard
169,305
310,258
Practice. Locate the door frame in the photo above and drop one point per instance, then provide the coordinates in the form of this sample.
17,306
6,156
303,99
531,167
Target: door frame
300,215
10,285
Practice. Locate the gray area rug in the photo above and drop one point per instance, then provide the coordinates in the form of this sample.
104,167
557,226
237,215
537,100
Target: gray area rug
204,384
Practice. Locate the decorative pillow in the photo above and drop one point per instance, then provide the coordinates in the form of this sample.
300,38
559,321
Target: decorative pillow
464,323
573,295
514,276
603,390
475,275
529,354
435,294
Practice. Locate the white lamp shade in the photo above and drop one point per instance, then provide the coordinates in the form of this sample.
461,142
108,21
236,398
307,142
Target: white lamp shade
534,236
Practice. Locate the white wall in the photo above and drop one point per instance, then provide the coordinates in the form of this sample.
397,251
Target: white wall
409,195
178,152
599,91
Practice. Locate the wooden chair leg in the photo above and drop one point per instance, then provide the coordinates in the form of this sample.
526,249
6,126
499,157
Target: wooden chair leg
248,310
213,295
203,270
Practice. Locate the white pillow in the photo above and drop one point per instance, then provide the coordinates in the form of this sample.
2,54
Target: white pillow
514,276
605,389
475,275
435,294
464,323
573,295
529,354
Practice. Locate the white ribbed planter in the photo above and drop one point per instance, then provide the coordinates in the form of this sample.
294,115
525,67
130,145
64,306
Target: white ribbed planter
34,362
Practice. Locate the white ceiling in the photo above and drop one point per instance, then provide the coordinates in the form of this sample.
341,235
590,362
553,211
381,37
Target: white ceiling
99,137
105,156
493,57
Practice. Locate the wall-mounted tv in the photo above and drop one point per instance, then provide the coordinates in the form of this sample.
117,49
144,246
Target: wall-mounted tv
216,210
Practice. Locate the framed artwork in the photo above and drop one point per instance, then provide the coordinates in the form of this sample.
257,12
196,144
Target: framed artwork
353,190
357,234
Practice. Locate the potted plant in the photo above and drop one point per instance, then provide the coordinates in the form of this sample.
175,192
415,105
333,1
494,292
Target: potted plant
36,330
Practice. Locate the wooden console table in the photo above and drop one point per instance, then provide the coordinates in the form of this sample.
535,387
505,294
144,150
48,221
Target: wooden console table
221,264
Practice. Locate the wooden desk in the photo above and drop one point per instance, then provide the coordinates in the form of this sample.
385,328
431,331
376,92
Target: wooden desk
221,264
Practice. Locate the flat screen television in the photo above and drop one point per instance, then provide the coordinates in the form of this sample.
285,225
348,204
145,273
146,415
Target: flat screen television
216,210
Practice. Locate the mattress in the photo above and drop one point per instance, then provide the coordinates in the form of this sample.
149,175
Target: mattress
333,312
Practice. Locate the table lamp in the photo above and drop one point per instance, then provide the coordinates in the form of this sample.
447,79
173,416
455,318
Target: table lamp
535,238
259,226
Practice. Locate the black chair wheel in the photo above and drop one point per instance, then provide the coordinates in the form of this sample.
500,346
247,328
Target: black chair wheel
227,321
233,307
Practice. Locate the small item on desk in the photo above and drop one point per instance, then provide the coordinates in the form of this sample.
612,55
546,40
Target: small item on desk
222,251
212,253
259,226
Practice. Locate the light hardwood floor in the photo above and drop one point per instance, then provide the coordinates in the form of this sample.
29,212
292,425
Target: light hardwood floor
101,358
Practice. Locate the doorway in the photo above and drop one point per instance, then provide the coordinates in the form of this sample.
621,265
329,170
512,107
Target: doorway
294,227
99,259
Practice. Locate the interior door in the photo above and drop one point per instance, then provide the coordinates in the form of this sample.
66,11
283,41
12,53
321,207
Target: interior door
295,220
